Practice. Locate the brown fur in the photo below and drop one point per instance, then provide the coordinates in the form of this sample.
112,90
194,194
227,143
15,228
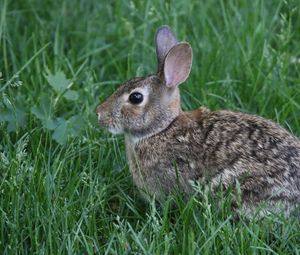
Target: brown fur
221,147
167,148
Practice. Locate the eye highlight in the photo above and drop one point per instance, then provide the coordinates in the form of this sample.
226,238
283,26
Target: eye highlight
136,98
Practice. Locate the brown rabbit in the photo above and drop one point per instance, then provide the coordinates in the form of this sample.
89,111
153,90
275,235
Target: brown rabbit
168,148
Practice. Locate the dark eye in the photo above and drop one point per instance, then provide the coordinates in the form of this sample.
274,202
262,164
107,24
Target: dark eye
136,98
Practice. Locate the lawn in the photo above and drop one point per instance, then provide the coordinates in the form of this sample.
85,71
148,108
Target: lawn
65,187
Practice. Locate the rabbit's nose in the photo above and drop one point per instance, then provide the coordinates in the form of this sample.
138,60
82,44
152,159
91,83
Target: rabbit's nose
99,115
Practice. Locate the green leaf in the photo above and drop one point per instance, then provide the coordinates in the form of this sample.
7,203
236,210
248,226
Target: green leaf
76,124
60,134
14,119
42,111
46,120
58,81
71,95
62,128
68,128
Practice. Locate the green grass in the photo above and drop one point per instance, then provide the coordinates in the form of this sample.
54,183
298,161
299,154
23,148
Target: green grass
64,183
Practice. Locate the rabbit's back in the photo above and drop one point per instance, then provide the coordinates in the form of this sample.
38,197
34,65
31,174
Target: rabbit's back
219,148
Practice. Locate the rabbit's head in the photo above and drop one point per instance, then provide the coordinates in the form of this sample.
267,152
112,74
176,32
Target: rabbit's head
144,106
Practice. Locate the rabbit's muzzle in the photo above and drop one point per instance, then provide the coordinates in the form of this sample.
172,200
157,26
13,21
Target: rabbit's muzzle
103,114
107,118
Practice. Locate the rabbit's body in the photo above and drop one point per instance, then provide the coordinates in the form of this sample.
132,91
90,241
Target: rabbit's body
219,148
168,148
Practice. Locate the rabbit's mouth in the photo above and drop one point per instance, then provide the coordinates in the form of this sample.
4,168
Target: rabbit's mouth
114,129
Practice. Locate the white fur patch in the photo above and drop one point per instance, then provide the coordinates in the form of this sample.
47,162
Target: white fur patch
192,165
115,131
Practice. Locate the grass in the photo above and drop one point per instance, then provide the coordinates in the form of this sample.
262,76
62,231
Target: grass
65,186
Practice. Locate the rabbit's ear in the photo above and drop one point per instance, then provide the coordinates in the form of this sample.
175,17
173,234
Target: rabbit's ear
165,40
177,64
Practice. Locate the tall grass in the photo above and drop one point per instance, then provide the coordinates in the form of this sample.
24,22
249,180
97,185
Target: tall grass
65,186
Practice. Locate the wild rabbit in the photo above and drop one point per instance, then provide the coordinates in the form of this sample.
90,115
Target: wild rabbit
168,148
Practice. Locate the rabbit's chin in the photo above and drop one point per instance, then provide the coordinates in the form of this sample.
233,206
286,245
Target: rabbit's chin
115,131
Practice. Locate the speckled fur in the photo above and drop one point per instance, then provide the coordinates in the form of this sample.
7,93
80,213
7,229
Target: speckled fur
167,148
219,148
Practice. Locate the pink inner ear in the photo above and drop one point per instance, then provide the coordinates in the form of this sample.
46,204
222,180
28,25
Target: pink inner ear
178,64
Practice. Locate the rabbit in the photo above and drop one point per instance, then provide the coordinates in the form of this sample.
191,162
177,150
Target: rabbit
169,149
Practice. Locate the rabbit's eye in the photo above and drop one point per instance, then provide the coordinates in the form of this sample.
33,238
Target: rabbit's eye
136,98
